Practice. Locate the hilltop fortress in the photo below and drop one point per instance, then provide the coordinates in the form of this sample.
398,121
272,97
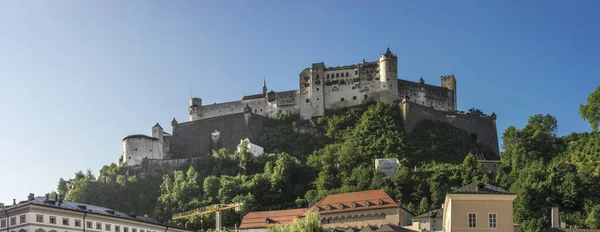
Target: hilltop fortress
224,125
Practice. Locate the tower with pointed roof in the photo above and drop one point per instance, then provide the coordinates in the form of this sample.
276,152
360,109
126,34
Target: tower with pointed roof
158,132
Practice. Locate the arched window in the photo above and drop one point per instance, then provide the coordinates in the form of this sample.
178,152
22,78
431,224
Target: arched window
40,230
362,217
329,220
323,221
343,219
355,218
376,216
369,217
336,220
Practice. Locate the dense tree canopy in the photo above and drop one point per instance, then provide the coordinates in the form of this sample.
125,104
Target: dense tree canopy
335,153
591,111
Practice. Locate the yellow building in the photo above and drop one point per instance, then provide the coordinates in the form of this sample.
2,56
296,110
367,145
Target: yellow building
360,209
478,207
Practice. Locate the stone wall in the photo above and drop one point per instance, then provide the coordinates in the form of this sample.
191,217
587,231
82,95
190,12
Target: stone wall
428,95
483,127
195,138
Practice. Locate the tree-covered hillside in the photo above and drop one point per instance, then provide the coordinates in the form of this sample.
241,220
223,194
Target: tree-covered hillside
336,154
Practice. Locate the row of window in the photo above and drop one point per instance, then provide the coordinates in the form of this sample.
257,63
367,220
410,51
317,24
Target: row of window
337,75
39,218
354,218
492,220
13,221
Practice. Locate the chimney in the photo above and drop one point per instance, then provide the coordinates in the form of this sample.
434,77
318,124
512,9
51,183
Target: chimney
31,197
554,218
14,201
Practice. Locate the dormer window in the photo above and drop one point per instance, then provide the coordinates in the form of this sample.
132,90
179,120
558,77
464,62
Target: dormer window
341,206
317,209
328,207
380,202
353,205
268,221
367,203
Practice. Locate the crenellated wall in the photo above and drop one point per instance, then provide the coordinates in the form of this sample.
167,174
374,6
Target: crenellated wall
482,126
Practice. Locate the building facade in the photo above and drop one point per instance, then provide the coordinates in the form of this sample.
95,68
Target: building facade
41,214
430,221
478,207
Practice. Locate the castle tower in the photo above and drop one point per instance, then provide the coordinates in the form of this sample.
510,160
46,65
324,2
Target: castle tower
265,87
388,76
449,82
311,91
194,109
157,132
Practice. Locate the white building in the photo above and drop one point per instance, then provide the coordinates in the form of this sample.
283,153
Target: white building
139,147
254,149
41,214
388,166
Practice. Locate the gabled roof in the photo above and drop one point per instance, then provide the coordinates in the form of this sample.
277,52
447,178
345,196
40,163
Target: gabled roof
479,187
139,136
436,213
254,220
369,228
360,199
393,228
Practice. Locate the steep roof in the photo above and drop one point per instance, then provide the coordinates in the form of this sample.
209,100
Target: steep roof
369,228
360,199
393,228
436,213
255,220
254,96
99,210
479,187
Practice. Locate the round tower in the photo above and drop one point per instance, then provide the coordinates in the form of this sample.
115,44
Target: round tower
194,109
388,75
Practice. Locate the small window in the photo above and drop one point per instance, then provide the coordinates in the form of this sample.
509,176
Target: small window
141,230
65,221
317,99
354,98
328,207
13,221
317,76
367,203
342,99
317,209
22,219
88,225
3,223
125,229
356,72
77,223
347,74
52,220
39,218
317,89
353,205
107,227
380,202
366,96
337,75
434,220
341,206
98,226
150,150
492,220
307,100
133,230
117,228
327,76
472,220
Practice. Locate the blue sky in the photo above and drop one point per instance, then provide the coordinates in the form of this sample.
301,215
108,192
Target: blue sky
78,76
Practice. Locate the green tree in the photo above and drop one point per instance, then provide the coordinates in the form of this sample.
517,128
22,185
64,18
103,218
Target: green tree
310,223
424,205
591,111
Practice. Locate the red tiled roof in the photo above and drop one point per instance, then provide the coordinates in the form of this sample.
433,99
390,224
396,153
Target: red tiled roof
255,220
358,198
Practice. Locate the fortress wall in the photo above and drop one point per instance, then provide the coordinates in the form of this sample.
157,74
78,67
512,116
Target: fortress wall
352,92
428,95
215,110
482,126
194,138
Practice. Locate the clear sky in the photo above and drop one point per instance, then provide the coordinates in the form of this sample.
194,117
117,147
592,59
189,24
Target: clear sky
78,76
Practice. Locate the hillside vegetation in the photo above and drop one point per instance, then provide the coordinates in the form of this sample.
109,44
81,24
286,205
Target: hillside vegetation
338,156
